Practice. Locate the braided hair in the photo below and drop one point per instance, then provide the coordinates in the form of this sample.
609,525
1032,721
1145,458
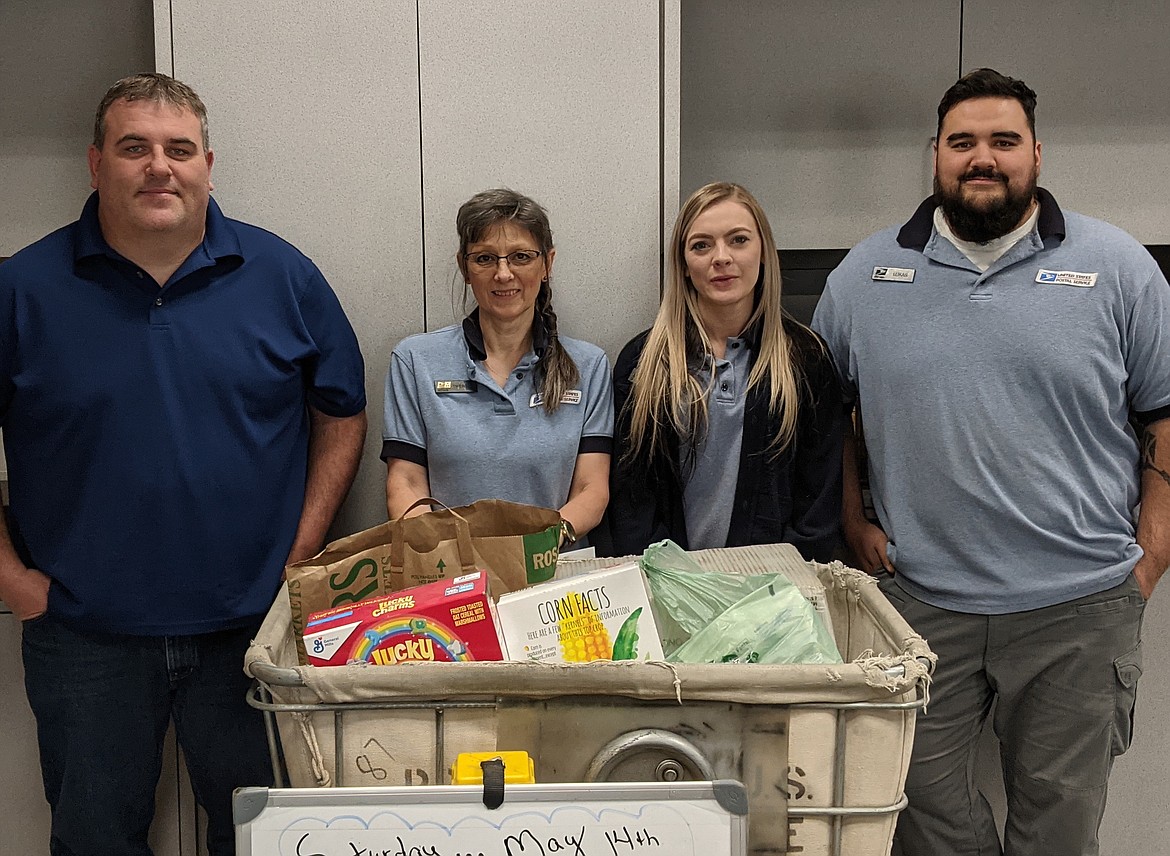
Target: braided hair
556,373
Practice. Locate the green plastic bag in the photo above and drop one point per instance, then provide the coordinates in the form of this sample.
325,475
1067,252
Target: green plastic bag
686,597
706,617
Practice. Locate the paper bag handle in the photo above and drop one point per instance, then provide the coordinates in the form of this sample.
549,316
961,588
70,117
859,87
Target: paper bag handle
462,535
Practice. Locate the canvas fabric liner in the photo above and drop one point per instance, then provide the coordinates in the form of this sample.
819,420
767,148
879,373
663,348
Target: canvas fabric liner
876,639
739,716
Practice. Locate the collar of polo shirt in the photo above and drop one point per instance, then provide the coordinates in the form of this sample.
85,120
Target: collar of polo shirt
751,335
473,333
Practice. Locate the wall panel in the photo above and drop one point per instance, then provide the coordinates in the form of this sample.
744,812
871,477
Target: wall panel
824,110
314,121
558,100
56,61
1101,76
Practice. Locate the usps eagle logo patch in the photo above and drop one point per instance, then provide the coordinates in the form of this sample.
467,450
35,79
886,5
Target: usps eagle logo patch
570,396
893,274
1066,277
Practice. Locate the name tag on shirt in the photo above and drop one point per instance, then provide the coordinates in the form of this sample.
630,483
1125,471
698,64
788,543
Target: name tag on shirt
1066,277
892,274
571,396
445,387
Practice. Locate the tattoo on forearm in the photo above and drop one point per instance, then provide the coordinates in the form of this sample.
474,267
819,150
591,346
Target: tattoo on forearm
1149,453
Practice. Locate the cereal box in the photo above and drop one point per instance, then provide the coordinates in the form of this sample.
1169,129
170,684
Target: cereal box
600,616
448,620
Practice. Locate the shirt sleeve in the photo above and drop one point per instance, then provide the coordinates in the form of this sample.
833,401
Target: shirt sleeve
336,379
7,346
597,431
1147,356
831,322
404,435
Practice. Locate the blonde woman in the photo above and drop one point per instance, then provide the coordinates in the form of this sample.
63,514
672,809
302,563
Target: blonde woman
729,425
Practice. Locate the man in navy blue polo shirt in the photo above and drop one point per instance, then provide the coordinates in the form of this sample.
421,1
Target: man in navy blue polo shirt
183,409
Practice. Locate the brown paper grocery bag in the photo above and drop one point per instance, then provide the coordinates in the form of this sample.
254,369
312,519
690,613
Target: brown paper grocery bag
347,570
516,544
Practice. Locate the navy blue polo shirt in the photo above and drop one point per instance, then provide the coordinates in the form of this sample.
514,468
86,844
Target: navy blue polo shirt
157,437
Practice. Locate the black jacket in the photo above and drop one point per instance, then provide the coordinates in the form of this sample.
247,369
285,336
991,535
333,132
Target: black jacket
794,497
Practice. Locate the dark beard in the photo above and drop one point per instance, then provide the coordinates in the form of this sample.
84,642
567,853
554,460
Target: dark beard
980,225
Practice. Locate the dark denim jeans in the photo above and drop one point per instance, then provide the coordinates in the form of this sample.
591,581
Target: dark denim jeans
102,704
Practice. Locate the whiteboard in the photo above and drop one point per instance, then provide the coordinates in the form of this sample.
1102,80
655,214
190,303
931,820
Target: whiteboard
604,819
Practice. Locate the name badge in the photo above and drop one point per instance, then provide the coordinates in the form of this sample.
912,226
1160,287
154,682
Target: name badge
1066,277
892,274
446,387
571,396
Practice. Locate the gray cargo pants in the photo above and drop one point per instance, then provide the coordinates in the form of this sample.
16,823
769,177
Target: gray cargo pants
1064,679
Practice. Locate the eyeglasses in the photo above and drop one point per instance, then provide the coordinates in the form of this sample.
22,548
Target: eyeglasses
485,261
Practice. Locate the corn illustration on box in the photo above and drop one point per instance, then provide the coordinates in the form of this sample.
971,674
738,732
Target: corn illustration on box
600,616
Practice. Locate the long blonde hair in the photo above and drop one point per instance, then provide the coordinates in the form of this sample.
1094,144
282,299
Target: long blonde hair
666,396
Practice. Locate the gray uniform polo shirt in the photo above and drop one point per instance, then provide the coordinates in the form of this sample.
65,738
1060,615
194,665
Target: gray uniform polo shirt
709,494
444,411
996,404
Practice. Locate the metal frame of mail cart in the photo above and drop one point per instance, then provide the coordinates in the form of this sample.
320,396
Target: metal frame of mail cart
684,755
857,692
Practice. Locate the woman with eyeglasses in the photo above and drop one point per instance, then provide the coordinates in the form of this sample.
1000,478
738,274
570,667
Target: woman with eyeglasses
729,425
501,406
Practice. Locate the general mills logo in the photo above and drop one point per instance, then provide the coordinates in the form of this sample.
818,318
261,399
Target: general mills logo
318,646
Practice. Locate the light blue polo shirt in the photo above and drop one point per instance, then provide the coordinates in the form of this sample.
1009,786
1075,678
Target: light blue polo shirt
997,404
479,440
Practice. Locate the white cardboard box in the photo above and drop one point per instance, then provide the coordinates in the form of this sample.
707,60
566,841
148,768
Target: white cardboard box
581,619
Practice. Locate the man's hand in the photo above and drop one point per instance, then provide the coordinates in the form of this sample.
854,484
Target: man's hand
26,592
868,543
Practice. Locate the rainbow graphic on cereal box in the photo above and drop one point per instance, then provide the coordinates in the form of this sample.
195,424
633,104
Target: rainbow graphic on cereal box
444,621
409,638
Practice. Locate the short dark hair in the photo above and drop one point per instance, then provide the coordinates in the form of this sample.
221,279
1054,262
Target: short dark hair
154,87
988,83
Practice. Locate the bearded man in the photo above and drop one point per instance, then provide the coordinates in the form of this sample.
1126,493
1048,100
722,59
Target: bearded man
1012,361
